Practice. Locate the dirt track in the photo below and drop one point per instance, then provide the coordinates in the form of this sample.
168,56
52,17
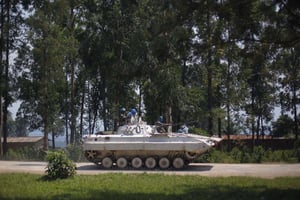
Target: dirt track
225,170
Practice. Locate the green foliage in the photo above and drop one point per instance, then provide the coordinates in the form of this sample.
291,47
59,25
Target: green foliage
283,126
215,156
25,153
281,156
297,149
258,153
194,60
148,186
75,153
59,166
236,154
245,155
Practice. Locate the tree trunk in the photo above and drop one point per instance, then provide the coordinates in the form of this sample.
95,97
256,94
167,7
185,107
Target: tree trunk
209,78
169,119
72,100
46,132
53,139
252,118
104,98
1,127
82,111
1,74
67,110
74,137
228,100
294,104
228,129
6,79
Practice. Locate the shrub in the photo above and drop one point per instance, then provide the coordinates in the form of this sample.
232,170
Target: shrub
258,154
297,149
215,156
245,155
25,153
236,154
59,166
75,152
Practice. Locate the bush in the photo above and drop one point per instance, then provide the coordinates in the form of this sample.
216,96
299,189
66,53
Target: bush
25,153
214,156
75,153
246,155
297,149
258,154
59,166
236,154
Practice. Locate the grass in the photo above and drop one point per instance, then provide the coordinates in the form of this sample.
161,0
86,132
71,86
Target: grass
147,186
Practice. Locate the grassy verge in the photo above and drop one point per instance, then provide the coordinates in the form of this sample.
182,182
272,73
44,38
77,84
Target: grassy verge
147,186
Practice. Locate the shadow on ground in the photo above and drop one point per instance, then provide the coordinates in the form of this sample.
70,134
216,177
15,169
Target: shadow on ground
190,168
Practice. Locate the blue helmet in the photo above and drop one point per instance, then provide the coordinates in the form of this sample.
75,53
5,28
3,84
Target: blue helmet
129,114
123,109
160,119
133,111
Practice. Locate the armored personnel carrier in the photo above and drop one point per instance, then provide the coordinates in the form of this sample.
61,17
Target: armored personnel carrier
140,145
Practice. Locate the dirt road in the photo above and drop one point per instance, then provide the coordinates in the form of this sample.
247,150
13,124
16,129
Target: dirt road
225,170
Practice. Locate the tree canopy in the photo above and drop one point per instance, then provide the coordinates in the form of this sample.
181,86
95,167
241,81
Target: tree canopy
220,67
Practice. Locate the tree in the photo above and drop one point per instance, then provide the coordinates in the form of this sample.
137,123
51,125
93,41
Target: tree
43,81
199,62
207,41
283,126
289,70
4,88
11,23
105,51
21,127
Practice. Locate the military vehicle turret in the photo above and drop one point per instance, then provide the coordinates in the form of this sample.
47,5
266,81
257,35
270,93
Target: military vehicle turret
139,145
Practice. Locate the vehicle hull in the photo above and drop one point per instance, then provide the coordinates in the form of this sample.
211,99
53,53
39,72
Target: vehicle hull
173,147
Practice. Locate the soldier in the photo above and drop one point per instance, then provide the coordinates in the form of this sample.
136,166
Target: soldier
133,119
185,129
159,125
122,116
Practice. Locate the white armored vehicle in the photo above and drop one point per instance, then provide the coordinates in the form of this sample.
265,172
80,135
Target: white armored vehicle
140,145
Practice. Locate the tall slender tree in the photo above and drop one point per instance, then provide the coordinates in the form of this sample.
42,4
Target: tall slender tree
11,20
289,69
43,77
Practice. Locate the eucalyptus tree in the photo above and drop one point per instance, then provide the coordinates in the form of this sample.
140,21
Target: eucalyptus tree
3,129
283,27
260,102
272,28
96,59
207,43
167,38
284,31
11,29
289,83
70,21
230,86
42,79
105,51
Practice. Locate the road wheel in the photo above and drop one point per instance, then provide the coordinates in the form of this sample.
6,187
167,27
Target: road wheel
190,155
178,163
107,162
150,163
122,162
90,155
164,163
136,162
